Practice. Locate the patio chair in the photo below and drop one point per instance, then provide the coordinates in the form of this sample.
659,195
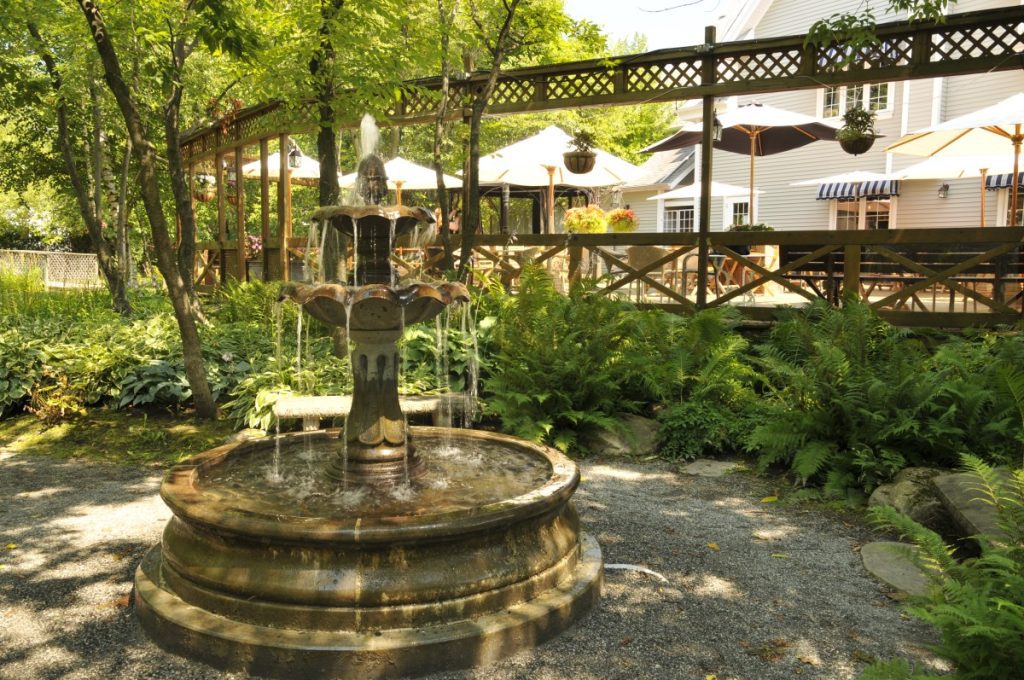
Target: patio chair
639,257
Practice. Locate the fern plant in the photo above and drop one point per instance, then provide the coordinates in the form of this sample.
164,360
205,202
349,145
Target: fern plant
563,366
978,604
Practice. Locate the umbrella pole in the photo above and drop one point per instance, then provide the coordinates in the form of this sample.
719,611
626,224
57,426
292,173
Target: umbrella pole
1017,139
398,192
984,173
551,200
753,148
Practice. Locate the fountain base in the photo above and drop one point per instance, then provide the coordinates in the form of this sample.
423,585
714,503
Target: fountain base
263,650
480,557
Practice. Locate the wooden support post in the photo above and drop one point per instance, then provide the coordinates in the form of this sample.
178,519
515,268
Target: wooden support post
265,206
222,215
707,140
243,274
284,204
503,219
575,261
851,270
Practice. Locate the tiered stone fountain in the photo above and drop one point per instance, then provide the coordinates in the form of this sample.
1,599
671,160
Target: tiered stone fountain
380,550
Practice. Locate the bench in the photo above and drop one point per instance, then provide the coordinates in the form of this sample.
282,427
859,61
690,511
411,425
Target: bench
824,273
443,407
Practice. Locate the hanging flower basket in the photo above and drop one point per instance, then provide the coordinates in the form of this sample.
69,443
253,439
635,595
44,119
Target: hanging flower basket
579,162
204,195
233,199
857,145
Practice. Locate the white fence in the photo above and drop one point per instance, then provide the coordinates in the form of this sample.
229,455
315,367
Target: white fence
58,270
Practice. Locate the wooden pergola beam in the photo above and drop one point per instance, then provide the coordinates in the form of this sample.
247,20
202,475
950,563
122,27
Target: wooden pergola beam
966,43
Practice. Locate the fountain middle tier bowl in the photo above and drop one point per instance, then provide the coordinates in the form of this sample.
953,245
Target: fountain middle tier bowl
375,306
273,568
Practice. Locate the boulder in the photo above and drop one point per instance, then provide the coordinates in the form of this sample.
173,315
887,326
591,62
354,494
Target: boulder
912,494
639,437
892,563
969,507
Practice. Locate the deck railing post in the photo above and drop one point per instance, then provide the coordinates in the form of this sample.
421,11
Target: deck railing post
851,270
575,261
707,139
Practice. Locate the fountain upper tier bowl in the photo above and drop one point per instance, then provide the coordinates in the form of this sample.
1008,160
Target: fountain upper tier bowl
375,306
303,577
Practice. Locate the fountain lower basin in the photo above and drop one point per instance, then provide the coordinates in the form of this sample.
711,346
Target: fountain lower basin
474,560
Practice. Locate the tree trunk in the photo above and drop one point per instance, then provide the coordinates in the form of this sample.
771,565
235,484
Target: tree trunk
471,211
320,66
447,21
88,209
149,184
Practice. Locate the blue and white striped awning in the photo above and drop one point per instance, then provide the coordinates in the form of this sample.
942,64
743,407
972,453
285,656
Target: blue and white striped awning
993,182
882,188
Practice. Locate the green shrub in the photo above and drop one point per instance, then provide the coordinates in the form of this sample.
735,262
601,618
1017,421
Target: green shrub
854,400
977,604
561,366
22,359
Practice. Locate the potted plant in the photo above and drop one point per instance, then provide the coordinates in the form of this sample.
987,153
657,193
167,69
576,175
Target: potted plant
858,131
580,159
204,190
622,221
253,249
588,220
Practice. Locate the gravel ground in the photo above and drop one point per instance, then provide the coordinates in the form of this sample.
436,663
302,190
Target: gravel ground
755,590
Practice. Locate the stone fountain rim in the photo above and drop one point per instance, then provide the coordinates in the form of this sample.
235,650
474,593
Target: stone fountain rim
188,504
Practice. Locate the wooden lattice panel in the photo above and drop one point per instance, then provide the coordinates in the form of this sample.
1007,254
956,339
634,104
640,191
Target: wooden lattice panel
418,102
763,65
659,77
512,92
974,42
888,53
981,41
580,85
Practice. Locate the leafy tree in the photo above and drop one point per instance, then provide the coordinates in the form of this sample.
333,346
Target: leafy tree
220,26
856,31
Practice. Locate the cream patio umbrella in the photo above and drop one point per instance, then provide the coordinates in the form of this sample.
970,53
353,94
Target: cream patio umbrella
403,174
756,130
537,162
303,170
959,167
992,130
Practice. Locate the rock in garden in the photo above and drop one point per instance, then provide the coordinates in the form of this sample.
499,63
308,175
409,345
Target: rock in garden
892,563
638,438
912,494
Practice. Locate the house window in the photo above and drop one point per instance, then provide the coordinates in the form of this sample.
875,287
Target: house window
837,100
847,213
736,212
679,219
862,213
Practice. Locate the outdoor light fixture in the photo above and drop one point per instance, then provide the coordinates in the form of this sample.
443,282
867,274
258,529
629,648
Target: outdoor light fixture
231,174
294,158
943,190
716,129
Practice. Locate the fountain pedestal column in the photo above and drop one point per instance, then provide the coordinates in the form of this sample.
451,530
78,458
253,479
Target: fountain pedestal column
377,445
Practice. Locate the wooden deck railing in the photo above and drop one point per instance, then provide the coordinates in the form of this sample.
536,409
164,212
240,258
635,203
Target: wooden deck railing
952,278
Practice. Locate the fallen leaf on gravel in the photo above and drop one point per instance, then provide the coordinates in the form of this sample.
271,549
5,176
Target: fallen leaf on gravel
710,676
810,661
122,601
770,499
625,641
714,546
780,556
12,546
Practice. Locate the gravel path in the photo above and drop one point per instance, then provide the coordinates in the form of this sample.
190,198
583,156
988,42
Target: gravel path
755,590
